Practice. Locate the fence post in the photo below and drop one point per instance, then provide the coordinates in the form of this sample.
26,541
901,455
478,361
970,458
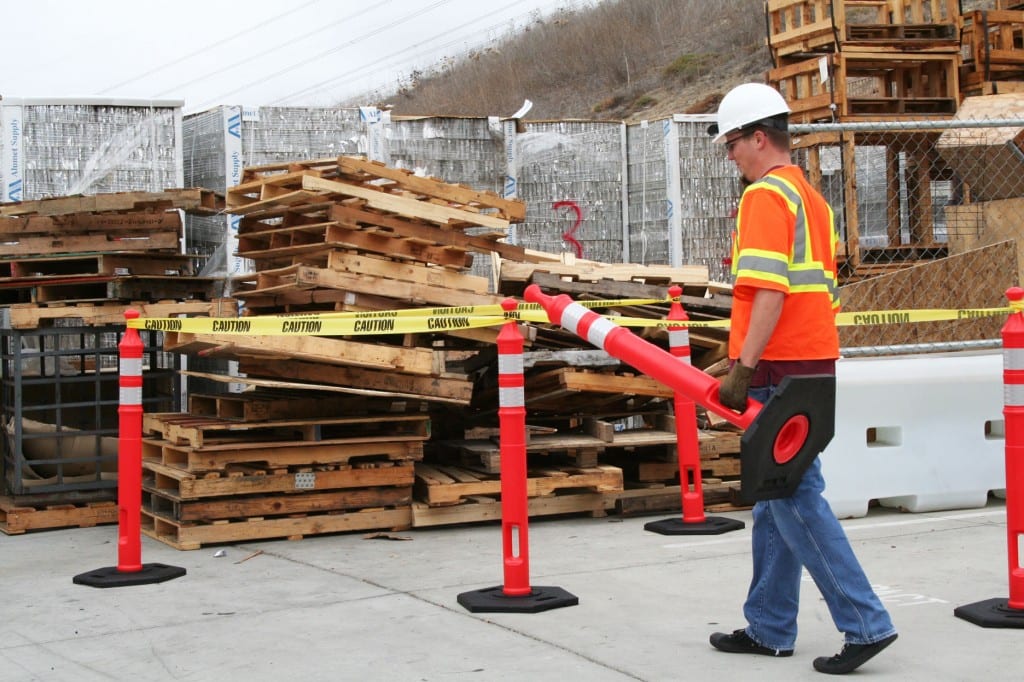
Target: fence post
693,522
129,570
998,612
516,595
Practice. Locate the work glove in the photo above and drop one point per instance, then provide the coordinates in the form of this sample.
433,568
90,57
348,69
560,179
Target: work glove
732,392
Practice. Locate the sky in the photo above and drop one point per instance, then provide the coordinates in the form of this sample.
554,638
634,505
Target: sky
206,53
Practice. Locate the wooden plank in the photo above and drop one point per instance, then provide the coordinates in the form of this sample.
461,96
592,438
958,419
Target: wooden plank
193,536
382,201
418,361
91,242
181,484
435,388
16,519
137,223
200,201
32,316
629,272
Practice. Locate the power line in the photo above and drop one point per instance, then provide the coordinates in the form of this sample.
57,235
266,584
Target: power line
275,48
377,65
208,47
320,55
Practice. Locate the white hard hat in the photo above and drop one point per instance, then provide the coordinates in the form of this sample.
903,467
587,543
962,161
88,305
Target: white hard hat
747,104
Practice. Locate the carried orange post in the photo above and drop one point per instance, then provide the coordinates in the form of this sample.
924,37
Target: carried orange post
781,437
693,522
129,570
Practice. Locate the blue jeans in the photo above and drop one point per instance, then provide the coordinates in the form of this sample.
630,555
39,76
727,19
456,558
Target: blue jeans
802,531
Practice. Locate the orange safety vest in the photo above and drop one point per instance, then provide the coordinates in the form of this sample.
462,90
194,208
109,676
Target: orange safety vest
786,240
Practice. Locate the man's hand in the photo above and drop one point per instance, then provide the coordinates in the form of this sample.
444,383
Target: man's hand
732,392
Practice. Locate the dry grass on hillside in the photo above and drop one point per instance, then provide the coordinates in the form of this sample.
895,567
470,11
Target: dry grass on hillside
621,59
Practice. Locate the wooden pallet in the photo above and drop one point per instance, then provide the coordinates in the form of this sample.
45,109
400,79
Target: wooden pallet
480,508
273,246
16,519
198,430
316,349
444,485
282,454
190,535
235,507
719,496
248,479
800,27
371,180
880,85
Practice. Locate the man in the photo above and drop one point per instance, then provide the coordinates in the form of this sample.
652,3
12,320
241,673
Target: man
785,298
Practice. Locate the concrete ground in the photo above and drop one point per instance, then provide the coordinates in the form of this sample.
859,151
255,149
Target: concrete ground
346,607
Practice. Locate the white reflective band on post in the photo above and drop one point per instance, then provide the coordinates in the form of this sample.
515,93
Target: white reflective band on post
678,337
1013,358
599,331
510,364
572,315
130,395
512,396
130,366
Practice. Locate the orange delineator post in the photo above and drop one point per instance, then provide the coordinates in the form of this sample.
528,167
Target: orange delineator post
516,595
997,612
512,431
129,570
691,491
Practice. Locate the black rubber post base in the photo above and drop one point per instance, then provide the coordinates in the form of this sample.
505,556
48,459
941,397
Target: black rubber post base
991,613
111,577
711,525
494,600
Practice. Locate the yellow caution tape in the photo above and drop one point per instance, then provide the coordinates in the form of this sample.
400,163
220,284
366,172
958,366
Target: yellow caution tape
472,317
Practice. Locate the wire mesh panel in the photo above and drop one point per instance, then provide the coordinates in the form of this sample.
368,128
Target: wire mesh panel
90,146
60,400
570,176
648,193
709,194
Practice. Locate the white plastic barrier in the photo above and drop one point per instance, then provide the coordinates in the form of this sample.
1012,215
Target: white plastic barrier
919,433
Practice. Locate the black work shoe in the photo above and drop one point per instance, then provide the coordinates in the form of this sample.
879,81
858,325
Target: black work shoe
739,642
851,657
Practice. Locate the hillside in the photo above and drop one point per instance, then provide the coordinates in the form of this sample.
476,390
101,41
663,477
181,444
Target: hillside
620,60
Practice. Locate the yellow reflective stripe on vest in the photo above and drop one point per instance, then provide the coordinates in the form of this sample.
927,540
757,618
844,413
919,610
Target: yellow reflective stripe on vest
799,272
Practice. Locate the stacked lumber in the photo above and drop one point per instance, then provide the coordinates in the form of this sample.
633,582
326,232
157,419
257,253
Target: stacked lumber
243,467
124,246
840,60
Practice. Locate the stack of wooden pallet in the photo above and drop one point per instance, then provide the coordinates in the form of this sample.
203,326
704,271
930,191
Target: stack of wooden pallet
124,247
840,60
251,466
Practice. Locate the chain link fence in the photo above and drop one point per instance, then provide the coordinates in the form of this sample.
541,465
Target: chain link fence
929,214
